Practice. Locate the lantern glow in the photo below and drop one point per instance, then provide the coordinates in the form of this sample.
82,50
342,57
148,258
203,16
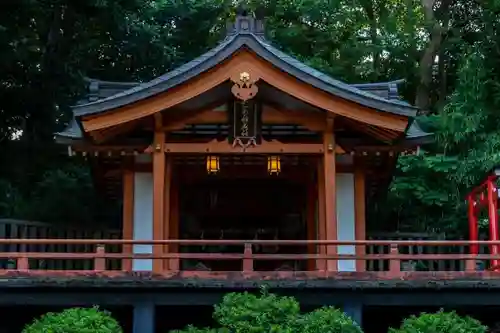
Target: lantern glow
274,165
212,164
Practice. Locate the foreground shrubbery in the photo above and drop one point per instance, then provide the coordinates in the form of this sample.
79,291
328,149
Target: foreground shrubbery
75,320
440,322
264,313
269,313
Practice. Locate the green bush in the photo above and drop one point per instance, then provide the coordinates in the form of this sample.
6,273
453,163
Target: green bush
249,313
269,313
327,320
440,322
75,320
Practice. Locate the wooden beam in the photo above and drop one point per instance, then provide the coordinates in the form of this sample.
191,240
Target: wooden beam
158,194
193,173
312,121
270,115
259,69
224,147
86,147
330,192
128,214
360,213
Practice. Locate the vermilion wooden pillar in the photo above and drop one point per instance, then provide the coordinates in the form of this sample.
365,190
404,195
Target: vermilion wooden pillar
158,191
330,192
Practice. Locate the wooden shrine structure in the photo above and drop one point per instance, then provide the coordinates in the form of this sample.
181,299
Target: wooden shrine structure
243,143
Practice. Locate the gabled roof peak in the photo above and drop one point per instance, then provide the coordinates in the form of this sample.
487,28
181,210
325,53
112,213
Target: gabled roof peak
246,23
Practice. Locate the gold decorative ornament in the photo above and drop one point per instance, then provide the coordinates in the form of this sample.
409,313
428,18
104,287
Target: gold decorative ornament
244,87
244,77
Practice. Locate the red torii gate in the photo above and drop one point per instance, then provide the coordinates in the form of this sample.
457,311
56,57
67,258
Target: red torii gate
485,195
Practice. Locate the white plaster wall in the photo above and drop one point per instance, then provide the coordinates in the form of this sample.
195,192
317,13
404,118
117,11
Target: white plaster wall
346,219
143,218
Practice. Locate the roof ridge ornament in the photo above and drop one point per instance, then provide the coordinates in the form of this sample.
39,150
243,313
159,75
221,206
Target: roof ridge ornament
246,23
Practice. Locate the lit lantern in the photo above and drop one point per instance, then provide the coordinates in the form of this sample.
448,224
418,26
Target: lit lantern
212,164
273,165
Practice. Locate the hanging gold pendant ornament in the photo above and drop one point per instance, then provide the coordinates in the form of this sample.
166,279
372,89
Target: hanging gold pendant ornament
244,87
212,164
273,165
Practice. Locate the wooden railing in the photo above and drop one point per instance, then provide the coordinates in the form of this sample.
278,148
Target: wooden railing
21,229
396,256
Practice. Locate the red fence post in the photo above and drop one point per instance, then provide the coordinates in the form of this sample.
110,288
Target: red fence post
247,258
394,263
23,264
100,261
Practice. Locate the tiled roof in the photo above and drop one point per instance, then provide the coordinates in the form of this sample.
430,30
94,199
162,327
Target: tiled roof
246,32
251,37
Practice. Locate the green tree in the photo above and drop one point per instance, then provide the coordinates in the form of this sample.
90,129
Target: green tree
47,49
429,191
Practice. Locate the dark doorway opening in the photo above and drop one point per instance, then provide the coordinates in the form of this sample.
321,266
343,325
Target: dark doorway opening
243,209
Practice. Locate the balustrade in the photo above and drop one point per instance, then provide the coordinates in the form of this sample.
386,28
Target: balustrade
395,257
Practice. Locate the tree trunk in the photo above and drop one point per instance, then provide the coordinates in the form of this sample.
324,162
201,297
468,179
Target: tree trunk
426,65
426,69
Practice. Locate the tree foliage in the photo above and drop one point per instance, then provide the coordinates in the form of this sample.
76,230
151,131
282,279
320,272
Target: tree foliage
430,190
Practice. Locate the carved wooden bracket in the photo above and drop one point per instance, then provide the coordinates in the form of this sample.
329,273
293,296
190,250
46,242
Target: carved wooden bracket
244,87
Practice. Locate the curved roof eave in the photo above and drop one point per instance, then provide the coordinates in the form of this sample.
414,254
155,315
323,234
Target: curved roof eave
263,49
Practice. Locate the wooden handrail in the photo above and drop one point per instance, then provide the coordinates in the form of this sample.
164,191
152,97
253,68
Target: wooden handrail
246,256
58,241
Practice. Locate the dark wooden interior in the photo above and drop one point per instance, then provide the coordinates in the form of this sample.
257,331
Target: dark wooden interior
243,202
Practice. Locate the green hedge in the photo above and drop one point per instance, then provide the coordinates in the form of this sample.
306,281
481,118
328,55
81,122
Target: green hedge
270,313
75,320
440,322
265,313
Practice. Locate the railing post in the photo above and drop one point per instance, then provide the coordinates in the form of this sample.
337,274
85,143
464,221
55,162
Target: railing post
174,262
247,258
100,261
470,265
394,263
23,264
